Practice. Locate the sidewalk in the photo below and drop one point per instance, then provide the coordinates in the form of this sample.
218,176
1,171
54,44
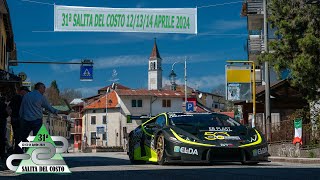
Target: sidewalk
295,160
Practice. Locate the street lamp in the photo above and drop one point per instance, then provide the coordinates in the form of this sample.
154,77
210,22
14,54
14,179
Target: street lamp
172,77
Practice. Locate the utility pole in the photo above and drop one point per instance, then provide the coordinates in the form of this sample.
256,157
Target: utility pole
267,74
185,81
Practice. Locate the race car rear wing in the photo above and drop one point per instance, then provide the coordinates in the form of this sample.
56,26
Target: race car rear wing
143,118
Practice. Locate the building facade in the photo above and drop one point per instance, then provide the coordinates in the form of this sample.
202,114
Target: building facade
101,127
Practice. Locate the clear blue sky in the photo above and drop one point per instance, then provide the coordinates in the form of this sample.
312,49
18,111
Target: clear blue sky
128,53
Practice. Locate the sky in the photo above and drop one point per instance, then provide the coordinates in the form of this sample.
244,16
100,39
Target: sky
221,37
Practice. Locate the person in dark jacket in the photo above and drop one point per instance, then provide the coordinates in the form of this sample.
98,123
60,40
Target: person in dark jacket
3,127
14,105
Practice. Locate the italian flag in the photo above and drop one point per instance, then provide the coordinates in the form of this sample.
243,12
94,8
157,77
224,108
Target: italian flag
297,131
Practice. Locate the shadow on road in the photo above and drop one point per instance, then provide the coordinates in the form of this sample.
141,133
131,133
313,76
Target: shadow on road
94,161
203,173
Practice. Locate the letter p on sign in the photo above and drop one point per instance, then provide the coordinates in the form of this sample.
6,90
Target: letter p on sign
189,106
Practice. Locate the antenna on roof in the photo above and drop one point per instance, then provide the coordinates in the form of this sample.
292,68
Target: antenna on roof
114,78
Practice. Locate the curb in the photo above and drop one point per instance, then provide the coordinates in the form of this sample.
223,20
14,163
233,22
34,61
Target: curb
295,160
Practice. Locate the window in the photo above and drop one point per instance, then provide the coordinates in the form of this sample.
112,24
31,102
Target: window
104,136
93,111
77,122
139,103
161,121
104,119
93,138
136,103
166,103
93,120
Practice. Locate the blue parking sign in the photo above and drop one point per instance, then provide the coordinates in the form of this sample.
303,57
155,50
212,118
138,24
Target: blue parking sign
86,73
189,107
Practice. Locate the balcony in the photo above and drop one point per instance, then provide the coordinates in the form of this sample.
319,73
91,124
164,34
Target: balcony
255,44
254,7
76,130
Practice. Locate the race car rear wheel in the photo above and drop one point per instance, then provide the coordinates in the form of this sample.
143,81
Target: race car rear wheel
160,149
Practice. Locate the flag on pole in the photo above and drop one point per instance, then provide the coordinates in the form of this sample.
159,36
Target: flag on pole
297,131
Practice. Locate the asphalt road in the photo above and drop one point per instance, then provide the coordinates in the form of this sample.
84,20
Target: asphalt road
117,166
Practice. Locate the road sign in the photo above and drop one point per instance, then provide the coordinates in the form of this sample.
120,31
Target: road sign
189,107
86,73
100,129
23,76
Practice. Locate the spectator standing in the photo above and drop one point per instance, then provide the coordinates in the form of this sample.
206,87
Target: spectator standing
3,127
31,110
14,105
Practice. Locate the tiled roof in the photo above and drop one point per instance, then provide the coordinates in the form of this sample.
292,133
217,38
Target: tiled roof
145,92
101,102
155,52
119,86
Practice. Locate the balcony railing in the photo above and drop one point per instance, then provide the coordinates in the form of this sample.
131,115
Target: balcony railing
255,44
78,130
254,6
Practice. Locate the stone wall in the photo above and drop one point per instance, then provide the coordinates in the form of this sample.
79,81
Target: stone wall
287,149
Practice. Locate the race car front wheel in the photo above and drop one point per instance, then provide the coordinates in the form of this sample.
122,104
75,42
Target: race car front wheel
160,149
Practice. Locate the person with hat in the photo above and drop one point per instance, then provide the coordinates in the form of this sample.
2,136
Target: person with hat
14,105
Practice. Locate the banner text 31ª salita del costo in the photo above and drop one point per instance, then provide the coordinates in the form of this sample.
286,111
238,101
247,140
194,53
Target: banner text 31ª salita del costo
94,19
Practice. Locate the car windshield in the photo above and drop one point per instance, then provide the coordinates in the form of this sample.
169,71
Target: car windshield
203,121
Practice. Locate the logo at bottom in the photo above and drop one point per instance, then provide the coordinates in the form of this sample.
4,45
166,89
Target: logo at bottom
42,155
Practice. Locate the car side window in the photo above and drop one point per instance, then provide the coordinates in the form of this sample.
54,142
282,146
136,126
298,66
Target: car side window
161,121
149,126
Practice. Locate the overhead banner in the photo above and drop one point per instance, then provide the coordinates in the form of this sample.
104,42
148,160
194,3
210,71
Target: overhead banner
95,19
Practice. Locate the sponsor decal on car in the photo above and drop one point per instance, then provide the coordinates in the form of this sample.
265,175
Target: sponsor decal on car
185,150
220,136
254,138
260,151
223,129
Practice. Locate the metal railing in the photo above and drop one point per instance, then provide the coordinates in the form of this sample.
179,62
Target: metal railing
283,131
255,44
254,6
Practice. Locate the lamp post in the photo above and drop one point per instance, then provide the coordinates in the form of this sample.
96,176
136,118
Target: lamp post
173,75
108,90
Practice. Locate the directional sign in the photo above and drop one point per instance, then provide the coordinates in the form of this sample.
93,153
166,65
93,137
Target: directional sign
86,73
189,107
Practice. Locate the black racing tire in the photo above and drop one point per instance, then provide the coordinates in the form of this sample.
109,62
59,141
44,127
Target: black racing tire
131,153
160,150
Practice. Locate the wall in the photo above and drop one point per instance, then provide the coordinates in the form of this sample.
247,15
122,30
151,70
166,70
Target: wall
287,149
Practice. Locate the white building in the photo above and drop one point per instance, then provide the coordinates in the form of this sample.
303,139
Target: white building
123,103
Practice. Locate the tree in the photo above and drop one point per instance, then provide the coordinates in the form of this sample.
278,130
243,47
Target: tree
297,50
55,86
52,94
70,94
